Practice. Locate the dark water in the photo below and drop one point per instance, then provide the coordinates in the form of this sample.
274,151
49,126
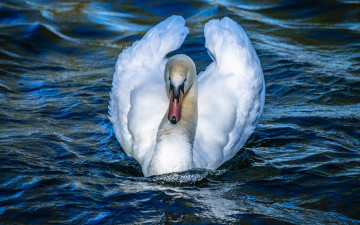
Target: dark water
61,164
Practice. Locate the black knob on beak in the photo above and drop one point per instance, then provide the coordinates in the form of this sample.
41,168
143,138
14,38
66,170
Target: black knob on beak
173,120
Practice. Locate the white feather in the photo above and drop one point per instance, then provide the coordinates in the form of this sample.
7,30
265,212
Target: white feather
231,94
230,101
138,97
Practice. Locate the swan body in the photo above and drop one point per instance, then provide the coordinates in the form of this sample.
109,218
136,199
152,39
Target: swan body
171,120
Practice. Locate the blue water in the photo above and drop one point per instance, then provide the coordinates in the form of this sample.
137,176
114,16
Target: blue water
60,161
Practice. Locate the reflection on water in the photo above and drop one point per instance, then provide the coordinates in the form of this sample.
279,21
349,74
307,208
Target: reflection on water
62,164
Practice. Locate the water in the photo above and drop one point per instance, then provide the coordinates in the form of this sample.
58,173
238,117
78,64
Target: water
61,164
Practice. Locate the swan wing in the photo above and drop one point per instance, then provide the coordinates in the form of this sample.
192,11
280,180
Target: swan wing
138,98
231,94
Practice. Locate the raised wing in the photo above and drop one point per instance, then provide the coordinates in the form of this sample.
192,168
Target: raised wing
138,96
231,94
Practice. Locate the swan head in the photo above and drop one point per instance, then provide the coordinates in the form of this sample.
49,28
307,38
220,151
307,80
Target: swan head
180,73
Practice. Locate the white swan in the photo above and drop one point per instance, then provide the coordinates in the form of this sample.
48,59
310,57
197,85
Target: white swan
158,116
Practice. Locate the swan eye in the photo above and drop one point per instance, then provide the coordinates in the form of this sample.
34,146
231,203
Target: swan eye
182,87
171,87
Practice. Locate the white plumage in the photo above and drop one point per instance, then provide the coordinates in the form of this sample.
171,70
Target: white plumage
231,95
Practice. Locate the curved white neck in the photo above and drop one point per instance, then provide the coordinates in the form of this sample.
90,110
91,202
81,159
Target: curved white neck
174,142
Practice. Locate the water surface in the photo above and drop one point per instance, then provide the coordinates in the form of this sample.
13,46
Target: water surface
60,161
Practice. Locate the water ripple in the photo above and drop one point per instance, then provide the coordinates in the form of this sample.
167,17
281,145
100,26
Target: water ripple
60,160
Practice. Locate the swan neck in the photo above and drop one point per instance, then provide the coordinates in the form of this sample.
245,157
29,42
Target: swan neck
174,142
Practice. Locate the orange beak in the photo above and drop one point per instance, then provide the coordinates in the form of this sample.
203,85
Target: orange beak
175,107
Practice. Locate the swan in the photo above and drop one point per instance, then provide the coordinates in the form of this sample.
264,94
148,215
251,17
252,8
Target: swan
169,118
